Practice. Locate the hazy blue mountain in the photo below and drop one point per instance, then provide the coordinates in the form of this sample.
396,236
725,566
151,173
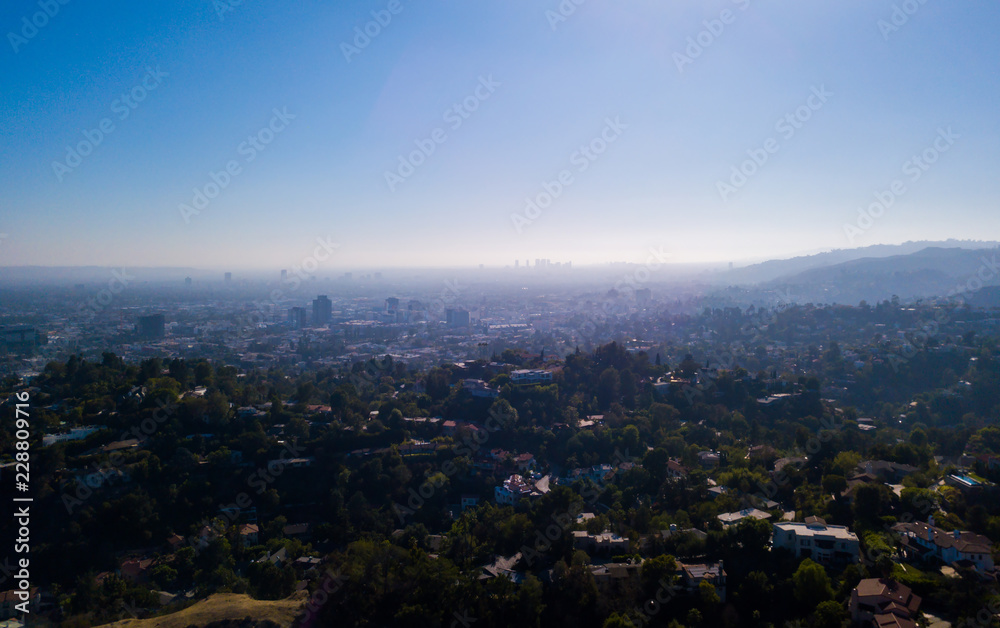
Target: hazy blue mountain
786,268
930,272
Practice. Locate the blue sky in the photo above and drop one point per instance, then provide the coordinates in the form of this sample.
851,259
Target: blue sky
554,85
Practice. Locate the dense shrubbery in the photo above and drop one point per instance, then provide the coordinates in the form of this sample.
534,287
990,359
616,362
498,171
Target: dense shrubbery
185,471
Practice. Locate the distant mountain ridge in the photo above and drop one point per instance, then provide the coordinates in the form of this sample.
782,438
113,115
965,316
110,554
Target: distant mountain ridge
787,268
930,272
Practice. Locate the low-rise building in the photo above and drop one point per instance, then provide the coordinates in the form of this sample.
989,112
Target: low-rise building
675,531
613,576
675,470
925,541
307,562
512,491
709,459
137,569
885,471
600,472
693,574
760,452
605,542
524,461
718,491
502,567
528,377
964,482
815,539
250,534
883,604
479,388
732,518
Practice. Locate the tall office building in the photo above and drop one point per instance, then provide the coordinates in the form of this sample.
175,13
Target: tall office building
284,274
456,317
391,305
229,277
20,337
151,327
322,310
187,281
297,317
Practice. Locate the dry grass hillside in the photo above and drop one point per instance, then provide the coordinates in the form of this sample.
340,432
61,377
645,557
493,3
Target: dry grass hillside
225,607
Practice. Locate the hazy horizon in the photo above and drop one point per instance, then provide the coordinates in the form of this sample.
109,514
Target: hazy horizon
341,266
273,273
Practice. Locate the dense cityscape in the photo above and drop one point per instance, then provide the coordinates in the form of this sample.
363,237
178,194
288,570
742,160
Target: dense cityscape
530,445
527,313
